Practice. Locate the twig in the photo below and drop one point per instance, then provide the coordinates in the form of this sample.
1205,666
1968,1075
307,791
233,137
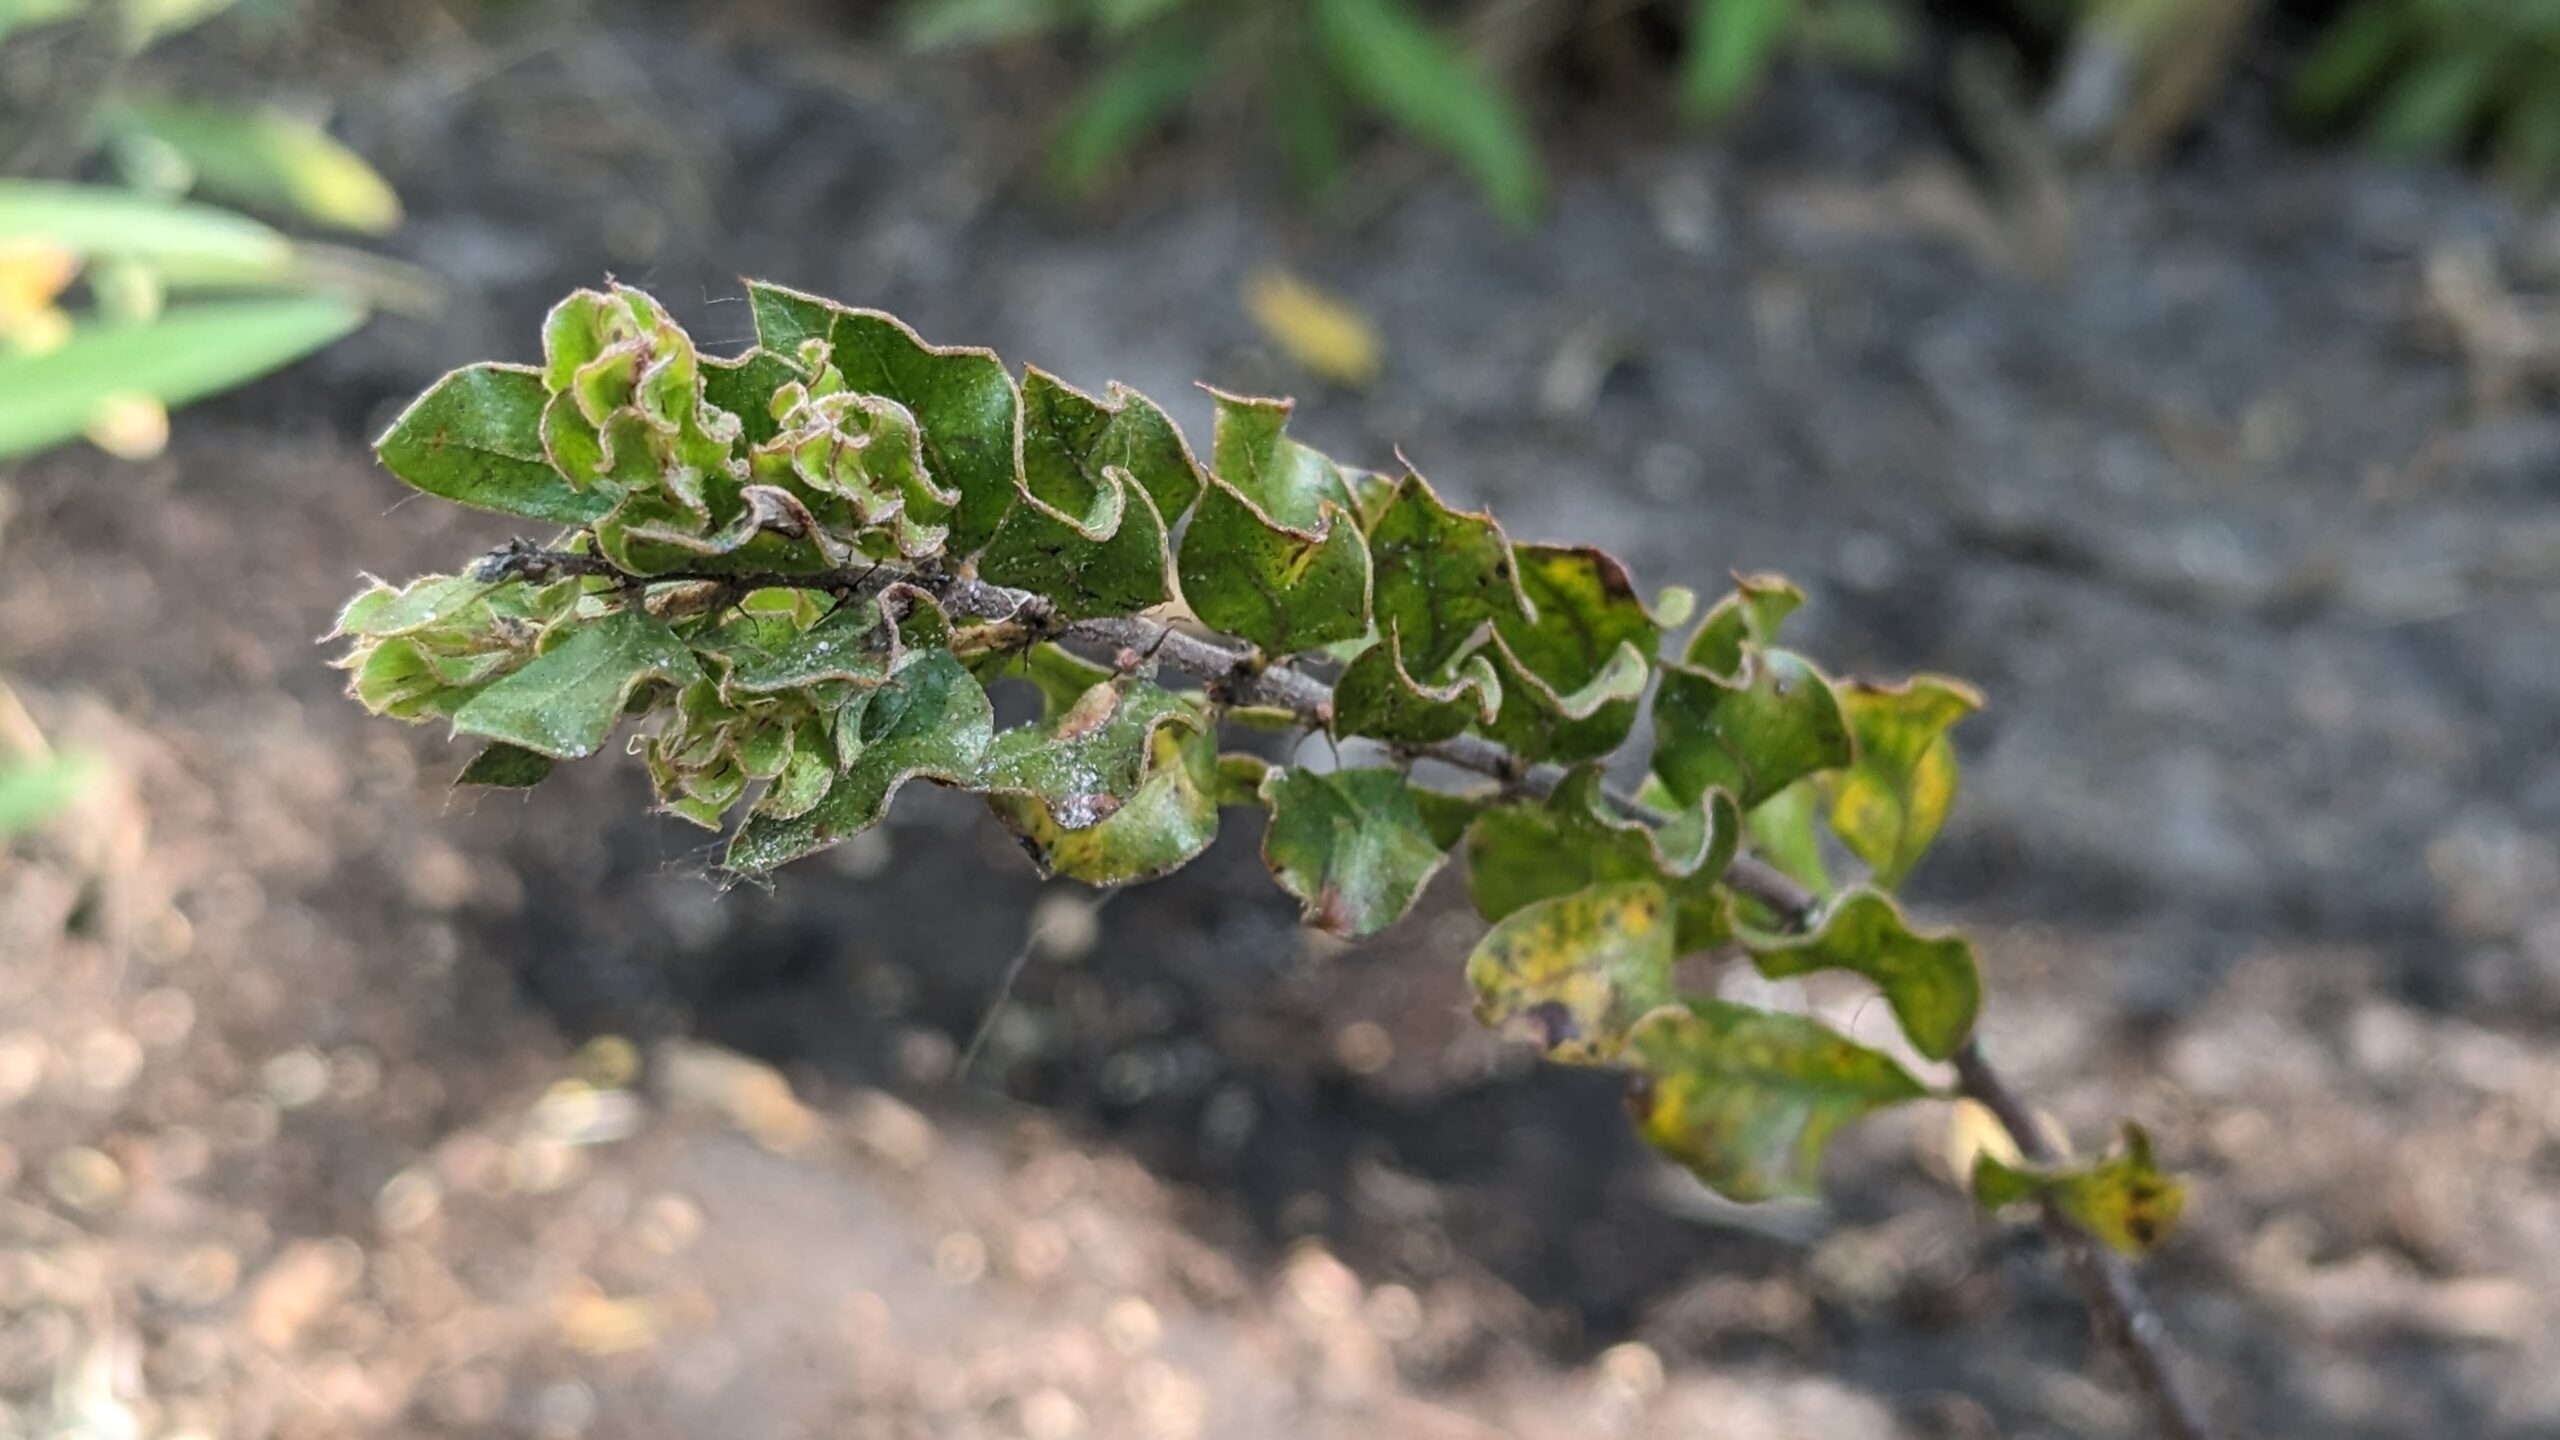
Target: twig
2126,1320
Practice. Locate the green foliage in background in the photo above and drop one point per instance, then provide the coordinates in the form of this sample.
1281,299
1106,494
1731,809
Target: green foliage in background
2426,79
794,576
118,302
1312,66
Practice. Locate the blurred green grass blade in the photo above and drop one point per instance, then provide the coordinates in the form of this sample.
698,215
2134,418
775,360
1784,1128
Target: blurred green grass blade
937,24
1120,16
98,220
1731,43
1398,63
264,158
2529,136
1133,96
2431,109
188,352
2353,56
149,21
16,15
1306,112
32,790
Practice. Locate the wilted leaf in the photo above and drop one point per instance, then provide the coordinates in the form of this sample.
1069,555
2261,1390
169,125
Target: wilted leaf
187,353
1352,845
1748,1099
961,397
564,703
1101,483
475,438
1888,805
1931,981
2124,1199
1324,334
266,159
930,721
1574,973
1274,555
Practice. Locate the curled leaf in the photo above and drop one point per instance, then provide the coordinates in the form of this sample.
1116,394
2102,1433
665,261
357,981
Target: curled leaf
1352,845
930,721
1931,981
564,702
1101,482
1573,973
1274,554
1519,854
2124,1199
1748,1099
1890,802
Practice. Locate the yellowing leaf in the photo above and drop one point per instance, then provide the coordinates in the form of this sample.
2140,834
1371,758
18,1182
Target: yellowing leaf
2124,1199
1319,331
1890,802
1574,973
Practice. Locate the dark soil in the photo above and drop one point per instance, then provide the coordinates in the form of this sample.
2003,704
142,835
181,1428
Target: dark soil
2247,525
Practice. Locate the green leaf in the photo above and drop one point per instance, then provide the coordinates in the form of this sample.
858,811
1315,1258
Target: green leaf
853,644
1754,735
1442,576
1786,833
1084,769
475,438
1731,44
1352,845
1138,92
564,703
1574,666
1274,554
1748,1099
185,353
182,240
1163,825
931,721
1931,981
1747,617
1574,973
2124,1199
962,398
1890,802
261,157
1100,484
1061,677
1407,71
505,766
1377,697
33,790
382,611
1519,854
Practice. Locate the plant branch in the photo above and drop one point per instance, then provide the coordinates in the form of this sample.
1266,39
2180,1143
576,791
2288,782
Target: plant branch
2126,1320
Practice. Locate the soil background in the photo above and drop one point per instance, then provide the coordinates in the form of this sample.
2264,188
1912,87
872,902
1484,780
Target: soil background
337,1104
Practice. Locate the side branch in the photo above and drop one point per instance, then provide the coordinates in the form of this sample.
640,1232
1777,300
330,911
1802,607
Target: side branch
2125,1317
